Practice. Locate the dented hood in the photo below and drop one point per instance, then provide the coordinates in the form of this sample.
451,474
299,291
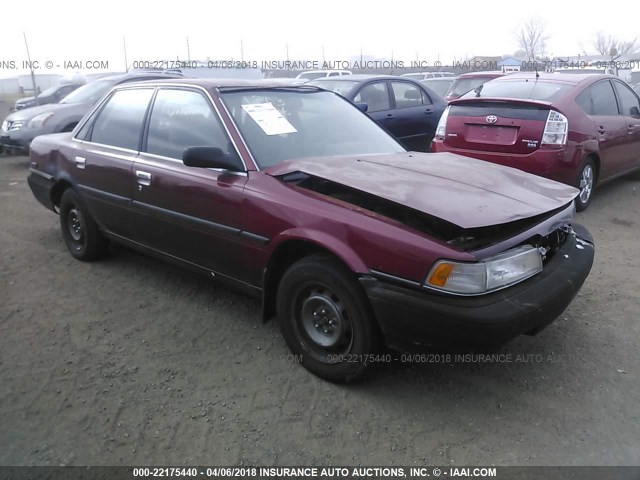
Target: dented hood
467,192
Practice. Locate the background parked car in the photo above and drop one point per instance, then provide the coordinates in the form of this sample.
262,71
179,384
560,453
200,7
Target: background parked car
50,95
314,74
426,75
468,81
439,85
21,127
581,130
407,109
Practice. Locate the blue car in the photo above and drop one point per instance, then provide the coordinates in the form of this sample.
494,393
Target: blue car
407,109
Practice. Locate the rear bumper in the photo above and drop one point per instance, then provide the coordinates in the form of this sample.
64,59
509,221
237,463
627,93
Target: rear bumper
412,317
41,185
556,164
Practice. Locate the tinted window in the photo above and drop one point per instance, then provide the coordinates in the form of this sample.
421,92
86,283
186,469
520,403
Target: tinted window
182,119
406,94
628,101
375,95
525,89
279,125
119,122
598,100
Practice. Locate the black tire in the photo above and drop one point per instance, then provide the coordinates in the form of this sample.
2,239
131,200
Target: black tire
69,128
587,171
326,319
79,230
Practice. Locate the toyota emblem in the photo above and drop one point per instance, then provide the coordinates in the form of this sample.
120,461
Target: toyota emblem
491,119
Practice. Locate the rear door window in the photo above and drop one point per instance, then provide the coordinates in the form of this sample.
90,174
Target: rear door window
406,94
599,99
629,104
181,119
375,95
119,123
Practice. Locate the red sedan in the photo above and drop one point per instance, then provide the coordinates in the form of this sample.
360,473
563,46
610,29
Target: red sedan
581,130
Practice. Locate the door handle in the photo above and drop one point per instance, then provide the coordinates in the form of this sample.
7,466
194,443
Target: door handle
144,178
81,162
428,111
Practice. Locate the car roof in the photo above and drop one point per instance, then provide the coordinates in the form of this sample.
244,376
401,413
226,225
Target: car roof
573,78
439,79
483,74
361,77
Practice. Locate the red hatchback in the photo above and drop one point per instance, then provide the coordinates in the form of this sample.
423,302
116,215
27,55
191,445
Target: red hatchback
581,130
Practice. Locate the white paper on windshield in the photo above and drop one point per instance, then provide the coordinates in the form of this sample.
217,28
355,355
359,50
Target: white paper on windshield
269,118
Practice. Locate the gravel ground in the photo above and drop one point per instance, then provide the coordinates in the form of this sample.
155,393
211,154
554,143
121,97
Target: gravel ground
132,361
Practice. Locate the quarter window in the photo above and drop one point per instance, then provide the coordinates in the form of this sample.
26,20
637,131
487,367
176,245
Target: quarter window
628,100
120,122
375,95
181,119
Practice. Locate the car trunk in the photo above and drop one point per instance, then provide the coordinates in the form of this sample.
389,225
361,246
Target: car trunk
507,127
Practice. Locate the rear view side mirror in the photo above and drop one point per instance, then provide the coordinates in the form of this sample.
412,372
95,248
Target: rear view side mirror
363,107
211,157
635,112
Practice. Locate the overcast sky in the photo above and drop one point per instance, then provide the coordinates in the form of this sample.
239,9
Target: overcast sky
82,30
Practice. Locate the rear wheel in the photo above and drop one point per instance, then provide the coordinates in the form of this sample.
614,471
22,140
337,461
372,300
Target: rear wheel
586,183
79,230
69,128
326,318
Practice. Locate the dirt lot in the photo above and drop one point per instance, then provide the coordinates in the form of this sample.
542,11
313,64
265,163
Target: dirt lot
132,361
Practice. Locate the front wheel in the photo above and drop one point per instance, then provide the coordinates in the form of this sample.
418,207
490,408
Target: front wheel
79,230
585,183
326,318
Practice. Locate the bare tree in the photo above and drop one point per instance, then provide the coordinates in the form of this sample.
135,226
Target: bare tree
532,38
612,46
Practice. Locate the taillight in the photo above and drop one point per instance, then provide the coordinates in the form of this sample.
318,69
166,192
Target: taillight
441,131
556,129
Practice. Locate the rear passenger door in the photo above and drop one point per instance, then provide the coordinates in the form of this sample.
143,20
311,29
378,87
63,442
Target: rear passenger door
194,214
599,101
108,145
629,105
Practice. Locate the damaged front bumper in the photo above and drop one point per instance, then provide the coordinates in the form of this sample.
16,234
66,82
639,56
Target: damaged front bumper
412,317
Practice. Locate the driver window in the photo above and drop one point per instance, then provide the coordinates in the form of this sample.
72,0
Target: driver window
375,95
182,119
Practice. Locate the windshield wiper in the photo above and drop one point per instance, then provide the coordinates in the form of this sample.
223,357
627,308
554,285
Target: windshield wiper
478,89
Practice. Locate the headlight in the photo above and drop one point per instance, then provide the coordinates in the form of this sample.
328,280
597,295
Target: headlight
39,120
8,126
493,273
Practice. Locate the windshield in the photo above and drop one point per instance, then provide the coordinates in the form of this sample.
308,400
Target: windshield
342,87
89,93
439,86
282,124
49,91
312,75
528,89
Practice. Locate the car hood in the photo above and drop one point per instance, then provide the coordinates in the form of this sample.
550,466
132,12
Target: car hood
29,113
467,192
25,100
